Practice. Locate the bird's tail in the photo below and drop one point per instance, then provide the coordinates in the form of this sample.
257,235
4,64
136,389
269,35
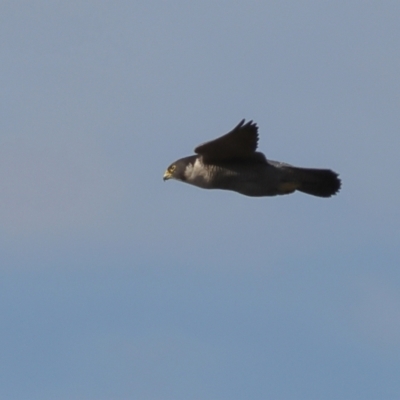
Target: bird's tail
317,182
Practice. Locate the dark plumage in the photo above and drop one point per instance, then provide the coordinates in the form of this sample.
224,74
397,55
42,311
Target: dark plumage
231,162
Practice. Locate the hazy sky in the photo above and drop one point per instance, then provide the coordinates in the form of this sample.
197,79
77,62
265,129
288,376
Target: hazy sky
115,285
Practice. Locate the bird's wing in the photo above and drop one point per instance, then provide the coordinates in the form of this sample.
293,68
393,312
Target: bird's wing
239,143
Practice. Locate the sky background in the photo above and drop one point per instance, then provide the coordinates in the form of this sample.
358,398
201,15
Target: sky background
115,285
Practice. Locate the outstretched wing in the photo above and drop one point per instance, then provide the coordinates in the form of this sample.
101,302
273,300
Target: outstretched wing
239,143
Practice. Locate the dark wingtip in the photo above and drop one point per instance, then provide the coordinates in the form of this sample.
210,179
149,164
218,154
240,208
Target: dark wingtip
240,124
243,123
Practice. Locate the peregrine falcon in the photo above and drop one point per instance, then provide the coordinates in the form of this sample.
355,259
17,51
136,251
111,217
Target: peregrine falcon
231,162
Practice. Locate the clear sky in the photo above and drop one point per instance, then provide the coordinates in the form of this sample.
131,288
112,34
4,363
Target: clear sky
116,285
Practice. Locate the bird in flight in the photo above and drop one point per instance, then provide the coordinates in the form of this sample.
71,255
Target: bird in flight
231,162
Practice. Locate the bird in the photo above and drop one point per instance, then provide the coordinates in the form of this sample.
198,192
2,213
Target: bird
231,162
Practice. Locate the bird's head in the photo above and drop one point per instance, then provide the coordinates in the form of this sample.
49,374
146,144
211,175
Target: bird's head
169,173
177,170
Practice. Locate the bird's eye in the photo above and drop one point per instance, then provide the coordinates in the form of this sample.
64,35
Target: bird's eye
171,168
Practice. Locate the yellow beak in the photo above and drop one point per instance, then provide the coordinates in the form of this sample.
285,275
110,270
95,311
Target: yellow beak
167,175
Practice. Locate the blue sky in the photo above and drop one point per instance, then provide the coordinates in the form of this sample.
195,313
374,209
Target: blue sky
115,285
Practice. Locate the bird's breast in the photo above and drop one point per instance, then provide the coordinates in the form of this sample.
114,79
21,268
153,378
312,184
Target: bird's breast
198,174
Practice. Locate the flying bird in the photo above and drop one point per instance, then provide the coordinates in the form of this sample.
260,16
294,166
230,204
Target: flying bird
231,162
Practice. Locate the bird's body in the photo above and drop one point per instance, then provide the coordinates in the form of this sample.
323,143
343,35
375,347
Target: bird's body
231,163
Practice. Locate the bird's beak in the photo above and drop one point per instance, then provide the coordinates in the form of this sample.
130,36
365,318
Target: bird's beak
167,175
